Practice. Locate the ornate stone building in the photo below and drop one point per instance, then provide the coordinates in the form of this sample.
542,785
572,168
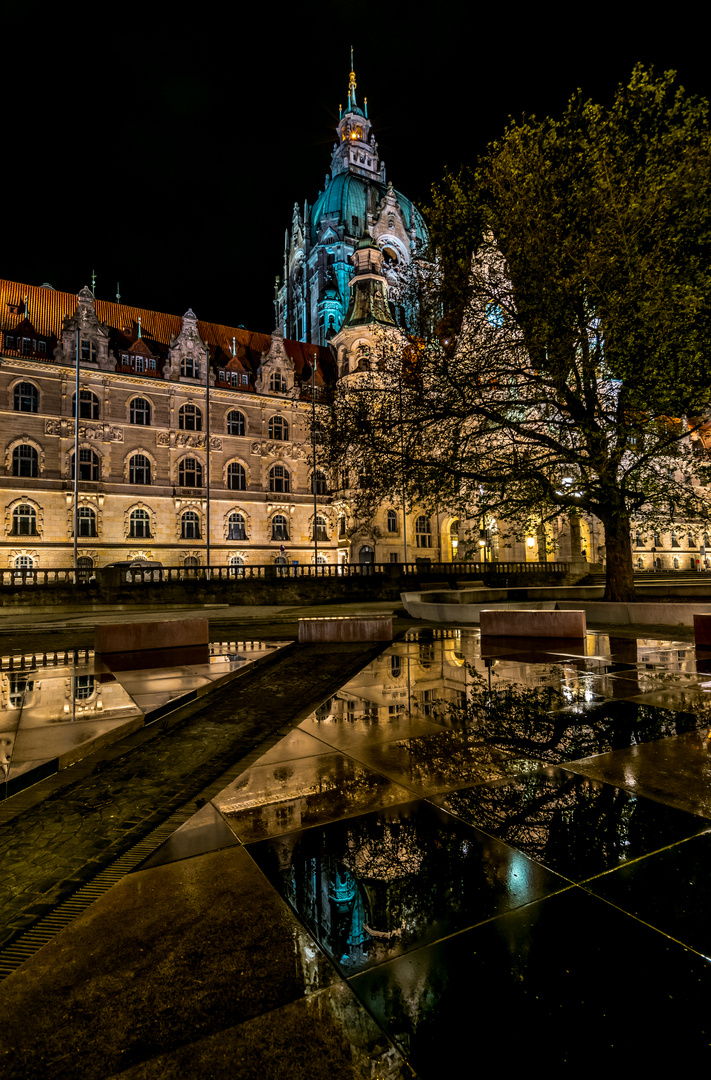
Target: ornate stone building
356,199
153,389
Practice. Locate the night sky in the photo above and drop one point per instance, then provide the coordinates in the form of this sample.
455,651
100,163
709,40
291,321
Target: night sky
167,153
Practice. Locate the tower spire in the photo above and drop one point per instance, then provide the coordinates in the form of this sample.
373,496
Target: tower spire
352,84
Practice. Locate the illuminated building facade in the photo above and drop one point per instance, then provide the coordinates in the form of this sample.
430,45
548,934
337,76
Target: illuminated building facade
145,380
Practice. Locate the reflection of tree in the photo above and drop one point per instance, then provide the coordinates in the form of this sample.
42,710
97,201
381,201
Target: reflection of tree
538,722
564,821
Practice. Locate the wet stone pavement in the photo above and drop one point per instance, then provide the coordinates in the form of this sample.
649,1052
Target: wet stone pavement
455,856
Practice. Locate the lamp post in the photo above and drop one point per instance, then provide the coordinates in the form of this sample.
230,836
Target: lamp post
313,455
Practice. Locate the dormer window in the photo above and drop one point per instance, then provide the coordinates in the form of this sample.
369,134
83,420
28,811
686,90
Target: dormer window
277,383
88,351
190,368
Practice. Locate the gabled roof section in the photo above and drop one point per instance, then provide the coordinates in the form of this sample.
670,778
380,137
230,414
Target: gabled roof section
47,308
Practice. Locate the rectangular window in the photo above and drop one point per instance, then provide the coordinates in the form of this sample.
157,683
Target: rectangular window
235,378
393,556
245,380
152,364
139,363
42,346
25,346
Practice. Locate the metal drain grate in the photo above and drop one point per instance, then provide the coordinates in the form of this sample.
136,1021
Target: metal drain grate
27,944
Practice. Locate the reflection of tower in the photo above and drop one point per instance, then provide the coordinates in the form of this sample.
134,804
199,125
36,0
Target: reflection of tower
347,914
356,201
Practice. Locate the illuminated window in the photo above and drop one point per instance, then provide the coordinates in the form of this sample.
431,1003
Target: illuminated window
140,524
236,527
88,405
423,534
320,528
278,428
86,521
26,397
89,466
190,418
280,527
24,520
278,479
139,469
190,526
236,424
25,461
318,482
140,412
236,477
190,473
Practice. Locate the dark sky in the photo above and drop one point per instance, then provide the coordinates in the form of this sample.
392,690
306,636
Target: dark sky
168,155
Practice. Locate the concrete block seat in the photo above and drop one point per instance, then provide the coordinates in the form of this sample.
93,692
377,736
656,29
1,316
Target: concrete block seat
364,627
516,622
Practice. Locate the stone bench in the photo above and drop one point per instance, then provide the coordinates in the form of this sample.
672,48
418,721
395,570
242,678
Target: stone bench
519,622
702,630
167,643
346,628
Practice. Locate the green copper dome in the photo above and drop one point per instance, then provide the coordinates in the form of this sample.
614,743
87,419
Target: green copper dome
346,198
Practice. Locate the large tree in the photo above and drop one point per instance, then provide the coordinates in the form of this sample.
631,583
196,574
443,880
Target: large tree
571,374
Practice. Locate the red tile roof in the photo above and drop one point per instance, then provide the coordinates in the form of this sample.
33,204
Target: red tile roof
47,308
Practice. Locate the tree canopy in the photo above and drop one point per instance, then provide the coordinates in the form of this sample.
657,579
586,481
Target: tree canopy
571,373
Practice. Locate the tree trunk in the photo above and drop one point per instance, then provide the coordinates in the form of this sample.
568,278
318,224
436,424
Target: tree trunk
620,573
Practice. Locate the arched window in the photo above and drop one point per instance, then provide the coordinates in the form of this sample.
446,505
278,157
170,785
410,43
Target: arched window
23,562
342,525
236,424
190,526
280,527
190,368
26,397
423,533
236,477
236,527
24,520
86,521
278,428
318,482
89,466
676,562
190,473
88,405
25,461
140,524
392,521
236,566
140,411
278,479
277,383
190,418
139,469
83,687
320,528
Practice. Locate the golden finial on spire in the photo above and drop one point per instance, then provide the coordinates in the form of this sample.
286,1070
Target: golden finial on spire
352,83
